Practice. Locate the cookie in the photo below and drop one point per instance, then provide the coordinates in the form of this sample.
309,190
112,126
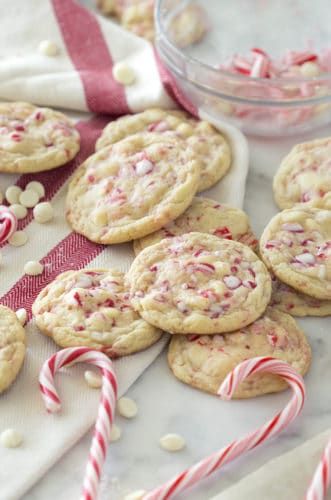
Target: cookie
34,139
139,19
296,246
205,216
132,188
305,174
205,361
199,283
188,26
291,301
209,146
91,308
12,347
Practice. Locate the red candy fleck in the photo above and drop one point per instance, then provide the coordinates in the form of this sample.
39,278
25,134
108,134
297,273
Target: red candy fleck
233,269
16,137
109,303
223,232
249,284
39,116
78,299
19,128
272,339
153,269
91,178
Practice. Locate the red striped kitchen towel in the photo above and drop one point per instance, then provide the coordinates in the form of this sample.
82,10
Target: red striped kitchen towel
79,79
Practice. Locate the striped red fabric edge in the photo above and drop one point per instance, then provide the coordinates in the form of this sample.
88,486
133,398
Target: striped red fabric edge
172,88
53,180
90,55
72,253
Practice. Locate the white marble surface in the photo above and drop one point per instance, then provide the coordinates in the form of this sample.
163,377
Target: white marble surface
166,405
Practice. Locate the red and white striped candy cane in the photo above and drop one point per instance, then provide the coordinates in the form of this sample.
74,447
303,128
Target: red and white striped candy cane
208,465
322,477
8,223
106,411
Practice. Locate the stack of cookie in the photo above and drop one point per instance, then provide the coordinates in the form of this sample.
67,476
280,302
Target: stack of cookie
188,26
296,244
195,275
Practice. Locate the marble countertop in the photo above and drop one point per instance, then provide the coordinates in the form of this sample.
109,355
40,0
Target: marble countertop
206,423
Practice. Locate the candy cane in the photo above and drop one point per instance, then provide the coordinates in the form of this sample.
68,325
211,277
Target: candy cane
106,410
322,477
8,223
208,465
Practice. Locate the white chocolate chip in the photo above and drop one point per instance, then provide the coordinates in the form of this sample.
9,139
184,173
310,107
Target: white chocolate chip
135,495
18,239
127,407
123,73
43,212
48,48
33,268
22,315
36,186
10,438
29,198
18,210
172,442
12,194
93,379
143,167
310,69
115,433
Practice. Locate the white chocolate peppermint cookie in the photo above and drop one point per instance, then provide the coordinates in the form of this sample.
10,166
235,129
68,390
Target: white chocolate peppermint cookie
205,361
209,145
289,300
304,176
139,18
205,216
92,308
132,188
199,283
296,246
189,26
12,347
35,139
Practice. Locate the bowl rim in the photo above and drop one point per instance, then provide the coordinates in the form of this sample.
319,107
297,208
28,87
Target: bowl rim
161,35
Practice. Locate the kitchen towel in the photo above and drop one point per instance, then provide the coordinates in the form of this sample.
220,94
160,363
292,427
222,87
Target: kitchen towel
79,79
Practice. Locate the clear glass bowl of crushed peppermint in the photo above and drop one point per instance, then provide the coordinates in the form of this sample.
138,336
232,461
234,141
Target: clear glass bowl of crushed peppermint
264,66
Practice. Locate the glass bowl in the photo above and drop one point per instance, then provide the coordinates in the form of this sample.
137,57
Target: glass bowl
195,39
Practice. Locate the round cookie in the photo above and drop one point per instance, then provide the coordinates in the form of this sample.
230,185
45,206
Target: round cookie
205,216
291,301
188,26
139,19
91,308
296,246
35,139
12,347
132,188
205,361
209,146
305,174
199,283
